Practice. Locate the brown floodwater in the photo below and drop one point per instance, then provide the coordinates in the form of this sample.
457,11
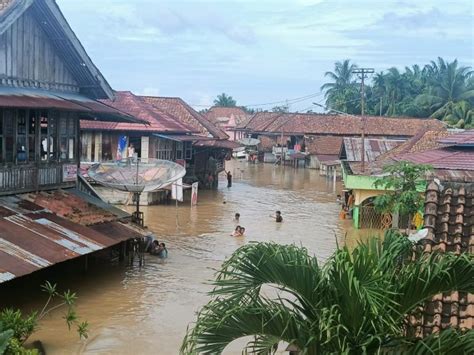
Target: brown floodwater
146,310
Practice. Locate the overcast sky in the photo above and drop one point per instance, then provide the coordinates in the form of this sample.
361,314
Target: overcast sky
261,51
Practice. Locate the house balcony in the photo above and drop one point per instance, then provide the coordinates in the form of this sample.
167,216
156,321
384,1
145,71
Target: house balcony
26,178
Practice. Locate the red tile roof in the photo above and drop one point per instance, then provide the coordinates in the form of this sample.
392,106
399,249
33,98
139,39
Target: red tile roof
324,145
179,109
448,218
159,120
299,124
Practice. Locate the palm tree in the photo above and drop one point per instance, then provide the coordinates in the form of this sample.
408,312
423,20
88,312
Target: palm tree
224,100
357,302
448,84
461,115
342,90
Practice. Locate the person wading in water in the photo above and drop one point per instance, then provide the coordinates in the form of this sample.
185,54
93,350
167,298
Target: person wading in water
278,217
229,178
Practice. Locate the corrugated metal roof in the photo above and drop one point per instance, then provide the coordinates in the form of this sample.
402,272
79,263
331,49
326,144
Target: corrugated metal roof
39,98
461,139
183,137
32,237
225,144
372,147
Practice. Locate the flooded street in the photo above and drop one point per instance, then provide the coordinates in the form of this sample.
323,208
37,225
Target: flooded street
146,310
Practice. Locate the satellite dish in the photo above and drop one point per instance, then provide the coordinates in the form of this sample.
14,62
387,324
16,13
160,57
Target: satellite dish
135,175
249,141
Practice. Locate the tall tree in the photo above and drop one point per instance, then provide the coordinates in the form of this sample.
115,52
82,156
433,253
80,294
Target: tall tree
225,100
447,86
342,91
357,303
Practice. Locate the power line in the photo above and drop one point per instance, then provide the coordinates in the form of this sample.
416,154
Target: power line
286,101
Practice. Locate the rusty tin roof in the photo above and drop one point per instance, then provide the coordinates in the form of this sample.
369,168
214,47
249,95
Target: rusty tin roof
59,226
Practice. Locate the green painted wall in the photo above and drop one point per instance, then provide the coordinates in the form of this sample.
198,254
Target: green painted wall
355,217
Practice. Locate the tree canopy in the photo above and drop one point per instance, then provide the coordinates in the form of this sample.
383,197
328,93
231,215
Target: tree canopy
401,180
439,89
224,100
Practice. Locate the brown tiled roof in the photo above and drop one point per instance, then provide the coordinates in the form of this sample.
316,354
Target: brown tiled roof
324,145
216,112
449,218
176,107
159,120
267,143
299,124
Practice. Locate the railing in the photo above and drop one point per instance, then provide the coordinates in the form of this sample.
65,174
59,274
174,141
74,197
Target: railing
26,178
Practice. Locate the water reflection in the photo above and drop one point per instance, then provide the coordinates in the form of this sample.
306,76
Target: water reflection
147,310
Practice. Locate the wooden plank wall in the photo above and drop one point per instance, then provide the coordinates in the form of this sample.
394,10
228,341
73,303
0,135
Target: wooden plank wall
28,58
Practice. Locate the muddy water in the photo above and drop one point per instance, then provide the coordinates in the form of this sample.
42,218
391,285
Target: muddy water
147,310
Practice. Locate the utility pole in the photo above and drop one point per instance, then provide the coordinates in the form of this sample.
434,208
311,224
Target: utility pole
362,76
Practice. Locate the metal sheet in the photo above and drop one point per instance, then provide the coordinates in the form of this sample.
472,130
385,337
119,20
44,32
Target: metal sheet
32,237
183,137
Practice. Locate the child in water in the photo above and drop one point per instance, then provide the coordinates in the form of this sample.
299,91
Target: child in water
278,217
238,232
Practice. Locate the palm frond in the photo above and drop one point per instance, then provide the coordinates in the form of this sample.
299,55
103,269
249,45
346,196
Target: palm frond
431,274
254,265
223,321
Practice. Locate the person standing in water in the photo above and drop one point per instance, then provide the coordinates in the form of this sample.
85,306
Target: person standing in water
229,178
237,217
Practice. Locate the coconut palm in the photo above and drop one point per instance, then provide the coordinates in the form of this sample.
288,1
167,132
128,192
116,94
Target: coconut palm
224,100
447,86
461,115
356,303
342,92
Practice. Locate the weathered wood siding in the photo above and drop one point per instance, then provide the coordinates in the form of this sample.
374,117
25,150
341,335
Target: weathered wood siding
29,59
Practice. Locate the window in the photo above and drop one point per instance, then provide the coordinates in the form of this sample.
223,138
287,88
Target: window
179,150
21,155
45,143
32,135
164,149
67,138
106,147
188,150
9,135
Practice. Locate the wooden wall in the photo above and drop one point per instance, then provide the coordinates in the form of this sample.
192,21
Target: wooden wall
29,59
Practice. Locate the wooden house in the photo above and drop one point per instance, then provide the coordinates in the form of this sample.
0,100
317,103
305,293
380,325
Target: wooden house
173,131
47,84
